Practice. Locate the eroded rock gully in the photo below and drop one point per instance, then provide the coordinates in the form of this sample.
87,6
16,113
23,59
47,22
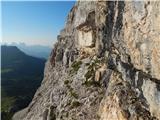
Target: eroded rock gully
104,66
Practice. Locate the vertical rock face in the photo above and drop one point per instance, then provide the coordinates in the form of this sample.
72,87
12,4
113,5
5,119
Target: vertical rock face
104,66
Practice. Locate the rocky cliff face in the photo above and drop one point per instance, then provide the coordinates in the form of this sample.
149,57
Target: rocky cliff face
104,66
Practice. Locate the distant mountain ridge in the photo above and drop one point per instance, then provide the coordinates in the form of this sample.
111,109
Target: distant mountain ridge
34,50
21,75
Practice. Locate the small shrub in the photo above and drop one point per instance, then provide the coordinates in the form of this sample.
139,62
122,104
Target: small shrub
89,74
87,64
96,84
75,104
89,83
74,94
91,66
68,86
97,61
69,102
70,89
91,69
71,72
76,65
66,82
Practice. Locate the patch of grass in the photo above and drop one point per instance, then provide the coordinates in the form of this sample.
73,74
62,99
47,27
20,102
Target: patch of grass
69,102
97,61
76,65
87,64
69,87
75,104
89,83
71,90
71,72
74,94
66,82
89,74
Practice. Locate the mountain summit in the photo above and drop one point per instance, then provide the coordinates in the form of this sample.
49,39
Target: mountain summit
104,66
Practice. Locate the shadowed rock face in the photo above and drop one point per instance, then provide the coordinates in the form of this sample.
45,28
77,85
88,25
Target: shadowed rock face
122,36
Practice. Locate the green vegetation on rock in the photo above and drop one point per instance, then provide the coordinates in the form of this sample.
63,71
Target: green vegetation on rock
71,90
90,74
76,65
75,104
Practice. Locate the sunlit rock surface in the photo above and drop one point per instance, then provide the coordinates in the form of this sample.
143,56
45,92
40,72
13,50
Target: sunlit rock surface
104,66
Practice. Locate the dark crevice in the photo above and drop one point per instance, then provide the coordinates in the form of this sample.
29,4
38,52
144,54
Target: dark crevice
119,21
111,29
109,25
131,71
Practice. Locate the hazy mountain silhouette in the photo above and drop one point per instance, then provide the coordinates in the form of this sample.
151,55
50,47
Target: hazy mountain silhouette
34,50
21,75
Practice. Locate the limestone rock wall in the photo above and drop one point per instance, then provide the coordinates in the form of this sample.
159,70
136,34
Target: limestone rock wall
104,66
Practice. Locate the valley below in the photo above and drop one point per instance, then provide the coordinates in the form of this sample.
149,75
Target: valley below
21,75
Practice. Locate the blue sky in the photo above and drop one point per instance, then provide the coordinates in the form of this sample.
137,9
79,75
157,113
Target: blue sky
34,22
